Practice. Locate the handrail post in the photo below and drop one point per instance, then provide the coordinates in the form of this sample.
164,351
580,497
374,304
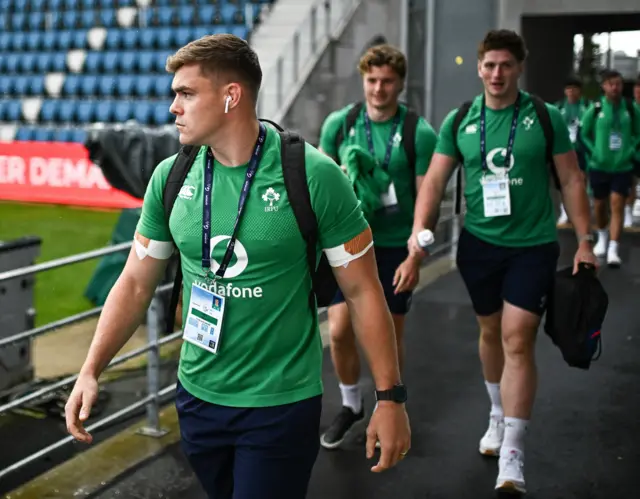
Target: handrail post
314,29
154,321
296,57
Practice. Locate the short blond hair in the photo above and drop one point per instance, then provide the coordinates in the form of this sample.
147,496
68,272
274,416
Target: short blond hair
384,55
222,53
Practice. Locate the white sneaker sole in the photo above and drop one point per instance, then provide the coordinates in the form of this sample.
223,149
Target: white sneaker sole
355,428
510,489
489,451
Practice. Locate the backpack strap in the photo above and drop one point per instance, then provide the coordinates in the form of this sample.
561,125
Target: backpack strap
350,120
292,153
176,178
549,136
457,121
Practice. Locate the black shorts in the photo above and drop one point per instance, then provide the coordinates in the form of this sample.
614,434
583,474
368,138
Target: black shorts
604,183
388,260
636,169
492,274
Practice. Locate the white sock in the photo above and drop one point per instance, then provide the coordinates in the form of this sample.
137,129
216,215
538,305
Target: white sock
627,210
351,397
514,431
603,234
493,389
613,246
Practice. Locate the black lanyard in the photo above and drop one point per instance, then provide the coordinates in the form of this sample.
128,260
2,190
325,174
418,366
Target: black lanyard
206,209
394,128
512,134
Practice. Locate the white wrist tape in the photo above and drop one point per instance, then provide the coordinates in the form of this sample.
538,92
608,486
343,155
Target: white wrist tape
340,256
160,250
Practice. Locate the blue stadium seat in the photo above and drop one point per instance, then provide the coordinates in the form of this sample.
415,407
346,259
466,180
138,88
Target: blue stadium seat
205,14
147,38
122,111
227,11
124,85
165,14
13,110
62,134
11,63
144,61
38,5
186,15
165,38
43,134
239,31
128,61
70,19
3,57
143,86
37,85
35,40
71,85
21,85
161,61
200,31
49,40
19,41
130,39
5,41
59,63
64,39
35,21
55,20
182,36
6,85
79,40
79,135
66,111
105,4
43,62
89,85
85,111
49,110
18,21
28,63
54,5
110,62
104,110
88,4
162,85
108,18
107,85
71,4
24,133
161,114
114,38
93,62
142,112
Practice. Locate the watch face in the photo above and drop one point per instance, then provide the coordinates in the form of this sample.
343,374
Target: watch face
400,394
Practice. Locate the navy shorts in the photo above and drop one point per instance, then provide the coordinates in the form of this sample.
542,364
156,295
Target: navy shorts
492,274
240,453
604,183
388,261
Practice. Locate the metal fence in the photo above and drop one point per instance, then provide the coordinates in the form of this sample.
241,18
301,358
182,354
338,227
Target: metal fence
446,235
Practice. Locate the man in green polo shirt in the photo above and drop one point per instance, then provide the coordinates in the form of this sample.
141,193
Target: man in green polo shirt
391,138
610,132
572,108
508,249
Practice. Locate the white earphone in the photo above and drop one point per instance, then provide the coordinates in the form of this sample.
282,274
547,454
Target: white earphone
226,104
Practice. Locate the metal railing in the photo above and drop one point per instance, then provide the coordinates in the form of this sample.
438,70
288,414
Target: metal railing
155,320
282,82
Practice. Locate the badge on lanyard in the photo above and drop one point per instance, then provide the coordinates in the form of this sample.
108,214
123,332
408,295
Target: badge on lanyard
204,319
495,188
389,199
573,132
206,309
615,141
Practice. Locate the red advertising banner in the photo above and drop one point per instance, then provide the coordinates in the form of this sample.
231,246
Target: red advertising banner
56,173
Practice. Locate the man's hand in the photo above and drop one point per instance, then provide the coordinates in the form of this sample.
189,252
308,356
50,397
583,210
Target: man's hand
584,255
407,274
389,425
78,407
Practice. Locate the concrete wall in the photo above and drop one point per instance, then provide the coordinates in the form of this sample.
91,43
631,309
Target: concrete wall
335,81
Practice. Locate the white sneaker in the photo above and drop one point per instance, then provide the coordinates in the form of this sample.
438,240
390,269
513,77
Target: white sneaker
613,259
563,218
510,474
600,249
628,218
491,442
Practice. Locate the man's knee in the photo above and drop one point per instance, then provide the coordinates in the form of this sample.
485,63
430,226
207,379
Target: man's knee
490,329
519,329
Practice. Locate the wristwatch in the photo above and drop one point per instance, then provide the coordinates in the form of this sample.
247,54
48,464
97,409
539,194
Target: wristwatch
587,237
397,394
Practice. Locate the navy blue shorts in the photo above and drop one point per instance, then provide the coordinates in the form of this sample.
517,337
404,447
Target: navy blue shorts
604,183
492,274
388,261
240,453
